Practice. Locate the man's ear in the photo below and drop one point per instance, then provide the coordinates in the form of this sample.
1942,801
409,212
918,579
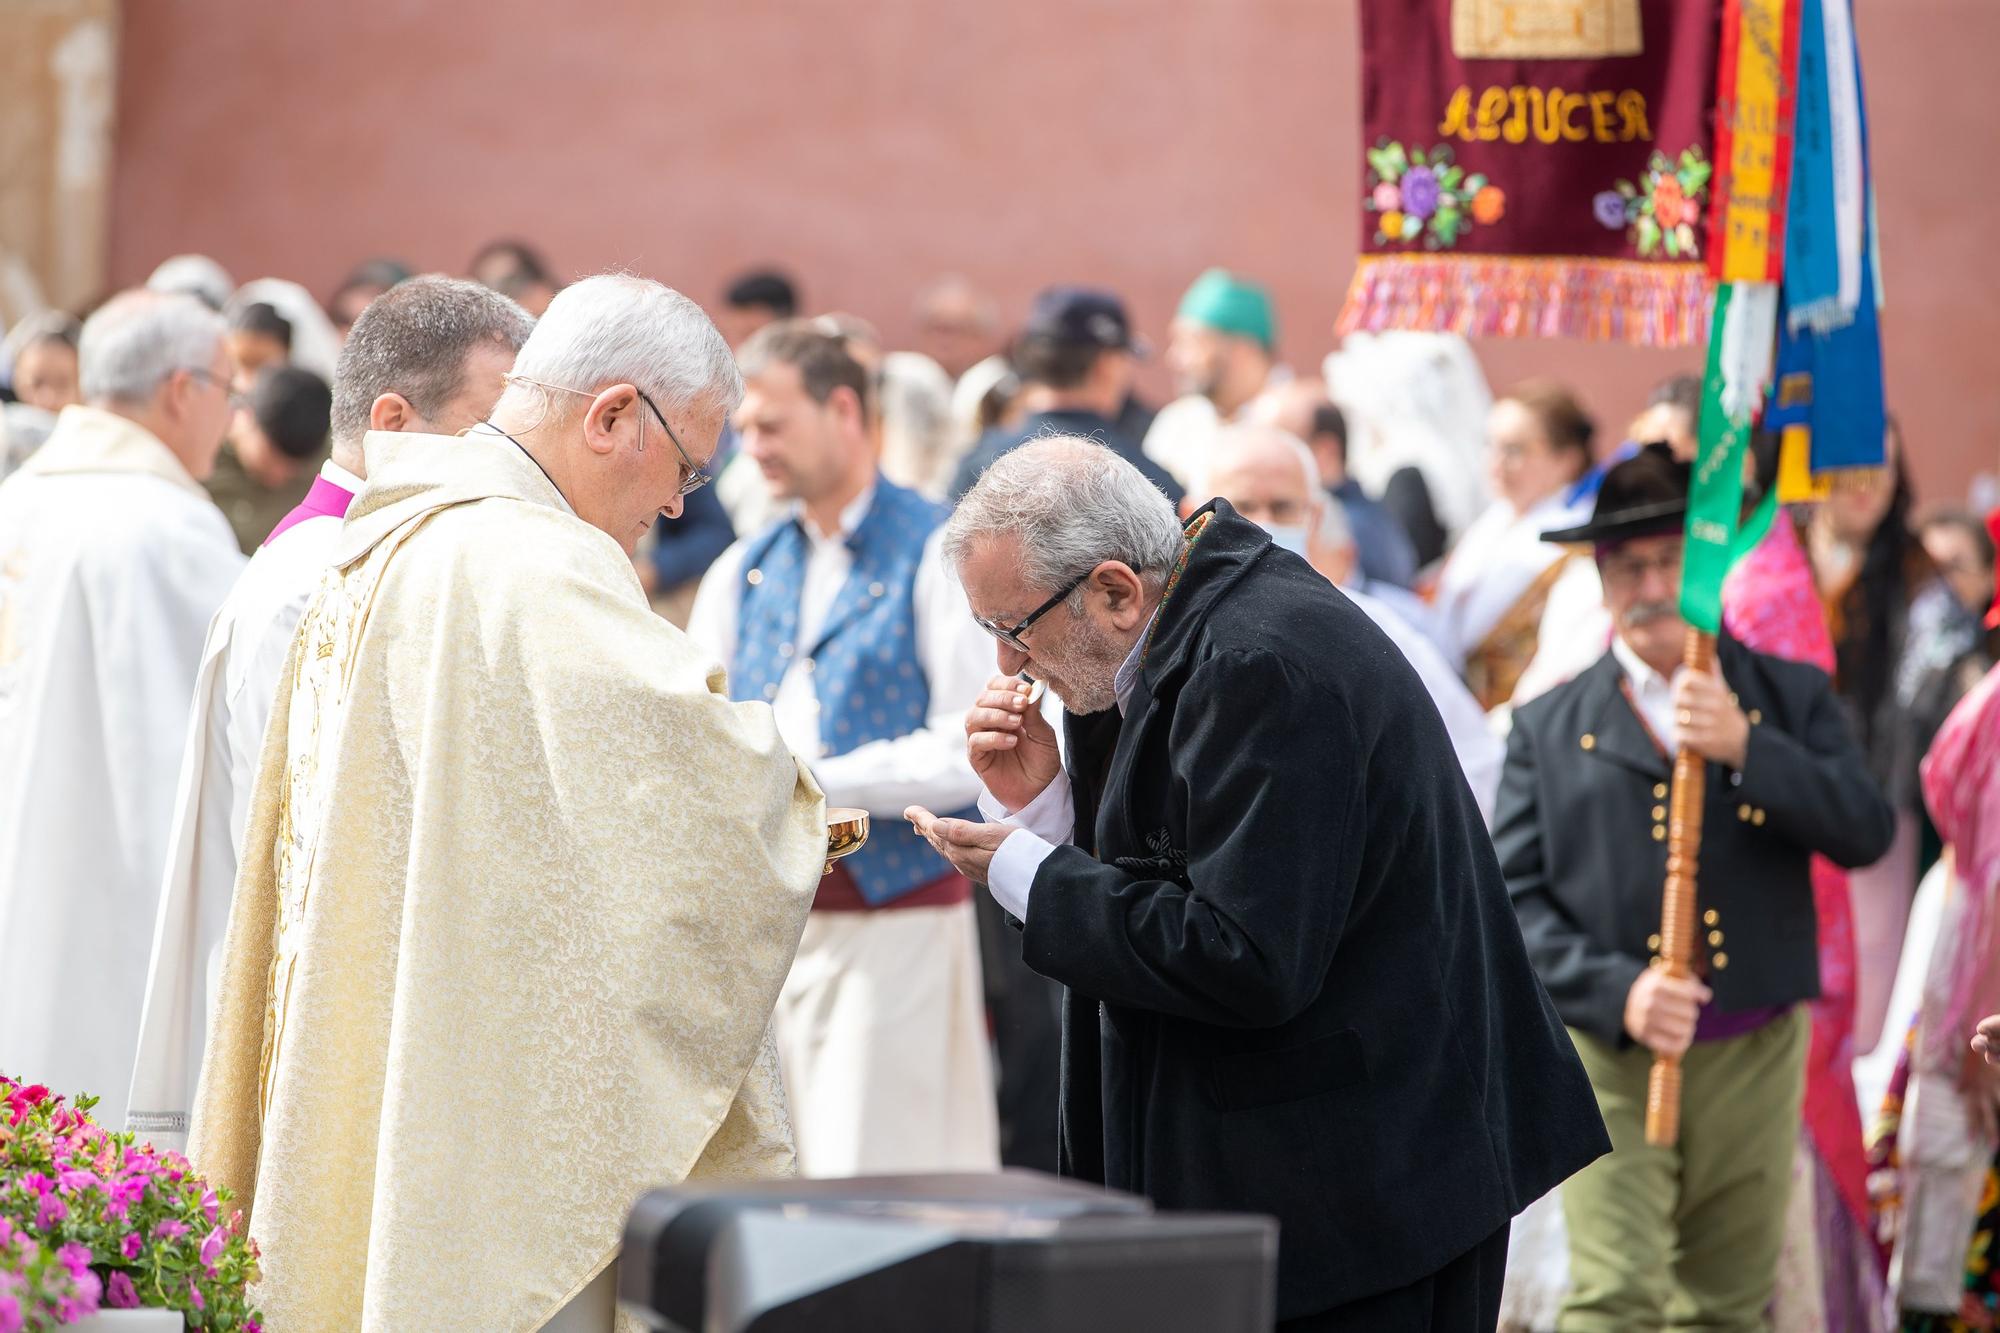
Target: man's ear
1124,592
392,412
606,413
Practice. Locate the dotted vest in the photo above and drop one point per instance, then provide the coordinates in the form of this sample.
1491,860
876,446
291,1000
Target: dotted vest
864,664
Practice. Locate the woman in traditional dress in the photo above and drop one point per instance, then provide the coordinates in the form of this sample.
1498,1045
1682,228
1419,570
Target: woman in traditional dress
1495,584
1938,1177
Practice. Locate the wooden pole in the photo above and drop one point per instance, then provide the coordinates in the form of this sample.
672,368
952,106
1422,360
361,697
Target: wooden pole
1678,906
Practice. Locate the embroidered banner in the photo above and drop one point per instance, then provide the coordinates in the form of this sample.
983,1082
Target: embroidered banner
1536,168
1756,88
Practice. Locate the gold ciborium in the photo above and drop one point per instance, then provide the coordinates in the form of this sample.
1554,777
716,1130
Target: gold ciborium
846,833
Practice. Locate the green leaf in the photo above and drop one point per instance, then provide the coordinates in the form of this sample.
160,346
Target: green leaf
1694,179
1673,243
1417,158
1451,176
1649,233
1413,227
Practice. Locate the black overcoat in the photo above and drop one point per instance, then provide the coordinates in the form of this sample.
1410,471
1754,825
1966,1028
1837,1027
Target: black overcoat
1581,827
1294,982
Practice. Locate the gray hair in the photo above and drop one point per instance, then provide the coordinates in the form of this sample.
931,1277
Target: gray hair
616,328
50,326
138,338
1073,504
414,340
1231,441
194,275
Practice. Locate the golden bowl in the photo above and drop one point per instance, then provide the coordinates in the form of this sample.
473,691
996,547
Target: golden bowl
846,833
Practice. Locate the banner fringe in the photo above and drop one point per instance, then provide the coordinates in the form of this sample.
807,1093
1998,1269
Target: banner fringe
1487,296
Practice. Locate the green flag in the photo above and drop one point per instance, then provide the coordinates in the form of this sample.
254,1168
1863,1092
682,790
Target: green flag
1715,499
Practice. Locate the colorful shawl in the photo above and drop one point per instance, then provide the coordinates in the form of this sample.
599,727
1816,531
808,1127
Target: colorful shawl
1961,778
1771,605
1536,168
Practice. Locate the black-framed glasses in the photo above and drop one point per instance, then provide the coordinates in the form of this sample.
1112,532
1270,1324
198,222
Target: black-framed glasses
697,477
238,401
1011,634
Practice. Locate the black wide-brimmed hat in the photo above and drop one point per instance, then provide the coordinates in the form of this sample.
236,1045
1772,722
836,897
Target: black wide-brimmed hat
1644,496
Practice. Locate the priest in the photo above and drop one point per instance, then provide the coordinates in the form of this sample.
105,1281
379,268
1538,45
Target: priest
520,883
112,560
427,355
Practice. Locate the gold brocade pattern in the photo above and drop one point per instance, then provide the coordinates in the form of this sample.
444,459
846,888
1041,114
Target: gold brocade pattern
519,889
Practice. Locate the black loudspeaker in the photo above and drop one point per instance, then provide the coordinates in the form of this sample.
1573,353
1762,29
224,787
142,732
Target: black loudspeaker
1012,1252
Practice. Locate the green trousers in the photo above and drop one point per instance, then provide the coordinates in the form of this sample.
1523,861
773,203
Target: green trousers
1687,1237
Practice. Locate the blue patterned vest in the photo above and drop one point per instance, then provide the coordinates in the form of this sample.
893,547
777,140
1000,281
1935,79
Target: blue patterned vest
864,665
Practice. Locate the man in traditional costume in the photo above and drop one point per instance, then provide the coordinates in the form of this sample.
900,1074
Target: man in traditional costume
845,618
112,561
1684,1236
1294,986
427,356
520,883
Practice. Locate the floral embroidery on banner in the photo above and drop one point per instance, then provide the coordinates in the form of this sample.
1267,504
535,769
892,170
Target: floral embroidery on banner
1423,195
1661,208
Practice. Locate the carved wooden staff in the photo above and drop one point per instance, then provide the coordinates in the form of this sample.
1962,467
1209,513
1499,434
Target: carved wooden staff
1677,904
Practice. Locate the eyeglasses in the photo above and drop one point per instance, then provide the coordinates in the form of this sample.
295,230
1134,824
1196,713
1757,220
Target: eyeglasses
238,401
695,477
1629,570
1011,634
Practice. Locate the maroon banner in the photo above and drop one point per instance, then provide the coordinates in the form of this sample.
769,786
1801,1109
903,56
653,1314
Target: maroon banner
1536,168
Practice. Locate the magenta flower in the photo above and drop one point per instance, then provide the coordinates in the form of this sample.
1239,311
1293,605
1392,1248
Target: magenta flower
170,1229
252,1326
76,1258
20,1100
122,1194
1420,192
175,1166
50,1211
120,1294
131,1246
194,1295
139,1162
38,1184
69,1182
10,1315
211,1249
209,1203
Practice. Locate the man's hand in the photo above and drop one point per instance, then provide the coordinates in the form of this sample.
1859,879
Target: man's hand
1011,745
1986,1039
1660,1011
1711,724
968,846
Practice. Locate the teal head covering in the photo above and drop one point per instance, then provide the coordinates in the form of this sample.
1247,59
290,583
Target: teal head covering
1229,304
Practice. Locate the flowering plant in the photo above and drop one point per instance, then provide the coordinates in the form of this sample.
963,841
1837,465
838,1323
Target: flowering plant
90,1219
1660,209
1420,194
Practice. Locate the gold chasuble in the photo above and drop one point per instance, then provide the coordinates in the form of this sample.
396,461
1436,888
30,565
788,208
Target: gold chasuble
519,890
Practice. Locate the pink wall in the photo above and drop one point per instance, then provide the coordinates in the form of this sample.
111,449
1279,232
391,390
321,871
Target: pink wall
870,145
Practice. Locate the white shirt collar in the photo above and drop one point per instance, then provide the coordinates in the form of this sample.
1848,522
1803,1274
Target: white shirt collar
851,515
341,477
1644,679
1127,678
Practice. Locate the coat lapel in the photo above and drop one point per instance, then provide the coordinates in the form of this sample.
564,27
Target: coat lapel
1616,733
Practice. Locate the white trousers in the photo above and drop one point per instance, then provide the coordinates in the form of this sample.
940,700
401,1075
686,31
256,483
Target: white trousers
881,1033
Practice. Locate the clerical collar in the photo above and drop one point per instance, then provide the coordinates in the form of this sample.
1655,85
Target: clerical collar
339,476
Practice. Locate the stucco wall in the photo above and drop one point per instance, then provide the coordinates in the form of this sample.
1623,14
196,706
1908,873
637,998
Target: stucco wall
872,144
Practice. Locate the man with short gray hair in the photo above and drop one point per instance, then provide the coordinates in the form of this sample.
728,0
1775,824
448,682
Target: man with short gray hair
1294,984
426,356
520,884
112,560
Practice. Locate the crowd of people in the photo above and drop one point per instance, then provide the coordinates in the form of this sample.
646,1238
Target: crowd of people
213,497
